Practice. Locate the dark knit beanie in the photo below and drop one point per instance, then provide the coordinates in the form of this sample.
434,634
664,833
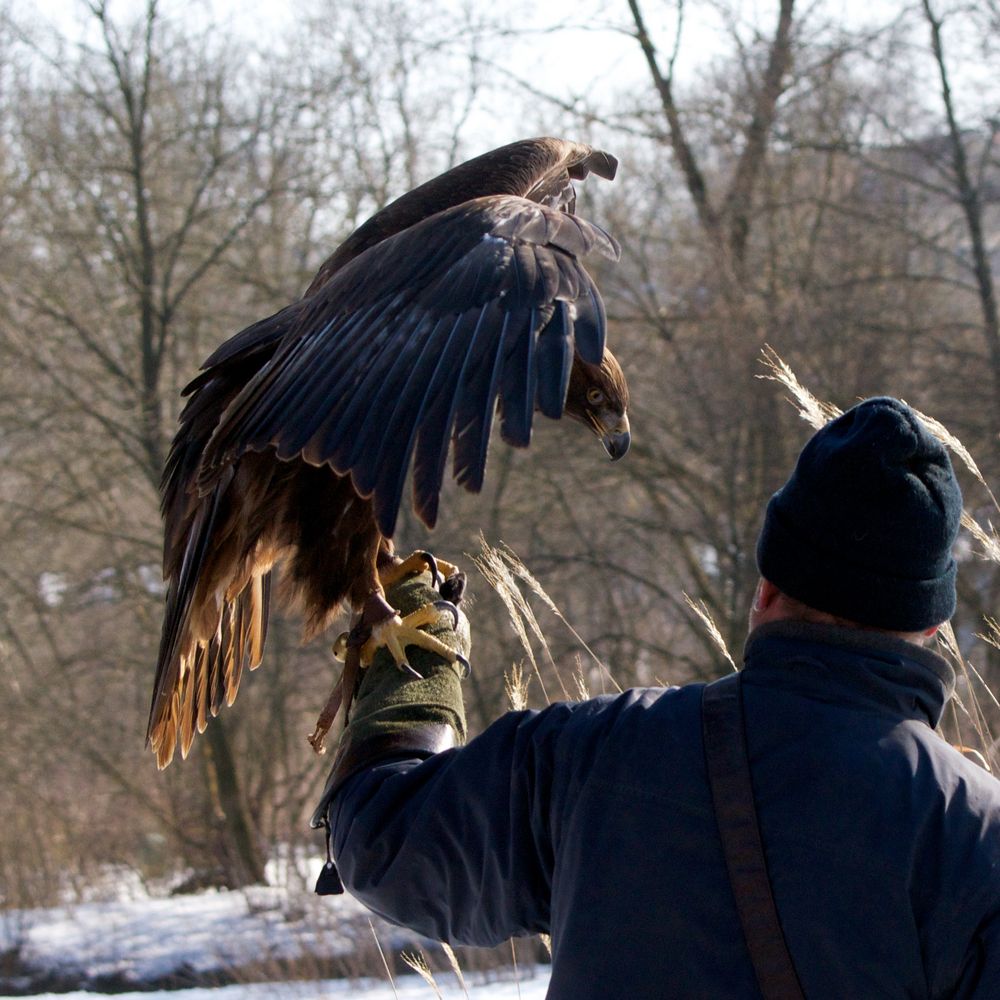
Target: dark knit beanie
864,527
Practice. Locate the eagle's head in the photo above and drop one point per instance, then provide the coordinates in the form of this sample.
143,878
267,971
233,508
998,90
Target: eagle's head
598,397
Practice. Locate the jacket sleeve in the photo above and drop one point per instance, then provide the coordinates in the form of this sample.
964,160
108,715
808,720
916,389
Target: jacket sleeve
459,846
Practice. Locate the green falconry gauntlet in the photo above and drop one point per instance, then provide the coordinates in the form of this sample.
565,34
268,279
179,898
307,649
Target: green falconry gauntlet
390,701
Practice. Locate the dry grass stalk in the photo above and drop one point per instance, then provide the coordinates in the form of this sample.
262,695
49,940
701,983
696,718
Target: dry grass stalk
812,410
499,577
987,538
455,967
950,441
521,571
982,681
419,965
970,705
974,754
517,975
515,685
956,706
385,964
992,633
536,629
580,681
701,610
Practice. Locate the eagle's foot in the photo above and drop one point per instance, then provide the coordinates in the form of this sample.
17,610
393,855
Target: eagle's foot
397,633
417,562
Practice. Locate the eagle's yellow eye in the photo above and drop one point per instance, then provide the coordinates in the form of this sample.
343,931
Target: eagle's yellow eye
595,397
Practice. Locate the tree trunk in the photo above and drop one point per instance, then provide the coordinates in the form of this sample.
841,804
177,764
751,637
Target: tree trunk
241,857
972,208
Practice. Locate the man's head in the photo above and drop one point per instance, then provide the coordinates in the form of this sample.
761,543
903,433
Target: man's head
863,529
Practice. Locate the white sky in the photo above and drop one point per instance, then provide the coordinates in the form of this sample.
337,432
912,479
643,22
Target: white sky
583,61
604,52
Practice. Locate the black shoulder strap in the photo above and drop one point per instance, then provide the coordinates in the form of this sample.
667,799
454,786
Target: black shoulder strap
736,814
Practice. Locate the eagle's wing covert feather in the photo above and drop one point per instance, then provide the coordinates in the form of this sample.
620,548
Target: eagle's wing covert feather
415,340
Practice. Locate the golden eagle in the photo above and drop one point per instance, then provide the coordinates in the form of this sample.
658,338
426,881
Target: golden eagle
464,297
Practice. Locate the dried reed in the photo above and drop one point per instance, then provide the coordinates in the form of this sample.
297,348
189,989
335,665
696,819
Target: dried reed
419,965
503,570
385,963
455,967
515,686
701,610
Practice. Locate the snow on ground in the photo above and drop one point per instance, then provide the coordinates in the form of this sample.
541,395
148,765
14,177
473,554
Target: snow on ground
143,938
150,938
403,988
123,934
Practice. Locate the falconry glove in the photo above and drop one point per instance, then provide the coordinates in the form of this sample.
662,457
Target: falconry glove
392,702
395,713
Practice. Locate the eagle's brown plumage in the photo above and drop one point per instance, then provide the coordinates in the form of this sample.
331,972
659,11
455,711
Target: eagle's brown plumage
463,297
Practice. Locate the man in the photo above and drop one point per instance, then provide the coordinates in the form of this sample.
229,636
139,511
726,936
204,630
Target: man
594,822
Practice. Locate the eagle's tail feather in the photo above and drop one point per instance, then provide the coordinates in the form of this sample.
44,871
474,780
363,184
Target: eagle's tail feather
199,667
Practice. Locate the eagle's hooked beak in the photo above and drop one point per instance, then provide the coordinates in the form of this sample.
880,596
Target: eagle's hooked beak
617,439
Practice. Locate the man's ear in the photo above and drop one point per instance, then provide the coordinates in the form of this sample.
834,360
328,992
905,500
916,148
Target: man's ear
765,595
763,600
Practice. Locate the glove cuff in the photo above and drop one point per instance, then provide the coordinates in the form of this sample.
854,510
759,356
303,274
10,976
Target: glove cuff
354,756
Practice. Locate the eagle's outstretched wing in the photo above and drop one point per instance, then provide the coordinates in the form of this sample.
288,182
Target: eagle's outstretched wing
417,339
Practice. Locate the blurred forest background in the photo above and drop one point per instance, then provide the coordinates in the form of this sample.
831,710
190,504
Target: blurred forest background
824,184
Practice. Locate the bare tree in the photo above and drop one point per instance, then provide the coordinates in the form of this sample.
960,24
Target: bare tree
162,192
968,191
147,168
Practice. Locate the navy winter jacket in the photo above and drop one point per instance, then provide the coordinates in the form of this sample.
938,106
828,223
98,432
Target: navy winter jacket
592,822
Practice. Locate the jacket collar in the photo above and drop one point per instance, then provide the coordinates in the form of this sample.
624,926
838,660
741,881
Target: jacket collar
868,669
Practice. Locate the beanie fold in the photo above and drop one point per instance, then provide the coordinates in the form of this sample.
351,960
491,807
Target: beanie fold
825,580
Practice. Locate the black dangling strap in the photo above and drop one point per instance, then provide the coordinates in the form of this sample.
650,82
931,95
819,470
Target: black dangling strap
724,734
328,883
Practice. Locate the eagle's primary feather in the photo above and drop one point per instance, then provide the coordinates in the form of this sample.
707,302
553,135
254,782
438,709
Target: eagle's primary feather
463,297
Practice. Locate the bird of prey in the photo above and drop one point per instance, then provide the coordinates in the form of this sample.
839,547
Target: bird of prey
463,299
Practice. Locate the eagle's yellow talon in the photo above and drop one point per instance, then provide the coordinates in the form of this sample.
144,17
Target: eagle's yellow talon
397,633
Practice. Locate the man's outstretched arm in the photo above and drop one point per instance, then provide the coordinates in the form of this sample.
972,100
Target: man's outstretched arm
455,844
